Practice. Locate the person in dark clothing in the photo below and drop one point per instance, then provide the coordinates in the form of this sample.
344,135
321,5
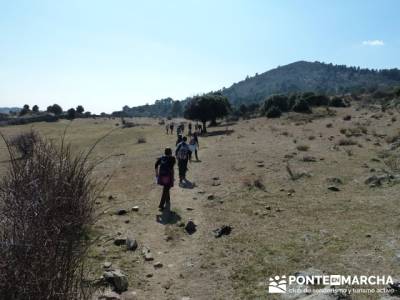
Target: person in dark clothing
179,140
165,176
194,146
190,129
171,128
182,153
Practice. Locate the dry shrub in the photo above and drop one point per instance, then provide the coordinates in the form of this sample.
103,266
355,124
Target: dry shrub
303,147
23,143
346,142
46,209
393,162
393,138
141,140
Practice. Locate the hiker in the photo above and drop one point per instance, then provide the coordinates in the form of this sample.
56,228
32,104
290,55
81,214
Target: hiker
165,176
194,146
179,140
167,128
171,128
190,129
182,153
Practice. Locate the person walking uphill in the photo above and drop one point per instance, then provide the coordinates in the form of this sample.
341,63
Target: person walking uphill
165,176
182,153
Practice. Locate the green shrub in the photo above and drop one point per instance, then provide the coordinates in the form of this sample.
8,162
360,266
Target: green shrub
280,101
274,112
302,106
337,102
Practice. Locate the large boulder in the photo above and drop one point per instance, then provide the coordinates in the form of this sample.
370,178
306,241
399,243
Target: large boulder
117,280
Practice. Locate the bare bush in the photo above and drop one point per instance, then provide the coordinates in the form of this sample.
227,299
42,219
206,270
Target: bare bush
303,147
141,140
46,209
347,142
24,143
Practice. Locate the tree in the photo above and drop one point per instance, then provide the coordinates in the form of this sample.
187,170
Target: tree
35,108
71,114
24,110
280,101
208,107
80,109
55,109
176,109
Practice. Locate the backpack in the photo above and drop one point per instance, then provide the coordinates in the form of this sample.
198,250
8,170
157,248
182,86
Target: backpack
183,152
164,166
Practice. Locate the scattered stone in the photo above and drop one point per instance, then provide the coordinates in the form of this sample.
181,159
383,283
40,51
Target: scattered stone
119,241
215,178
131,243
121,212
117,279
190,227
309,158
148,256
181,224
107,265
109,295
111,197
347,118
158,265
333,188
129,295
268,207
149,275
135,208
334,180
201,192
223,230
189,208
211,197
127,221
258,184
216,183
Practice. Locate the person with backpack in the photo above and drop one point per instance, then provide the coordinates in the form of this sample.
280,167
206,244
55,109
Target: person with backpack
194,146
179,140
182,153
165,176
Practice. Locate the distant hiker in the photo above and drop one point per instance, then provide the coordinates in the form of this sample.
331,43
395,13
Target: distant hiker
190,128
182,153
182,128
200,129
171,128
194,146
165,176
179,140
167,128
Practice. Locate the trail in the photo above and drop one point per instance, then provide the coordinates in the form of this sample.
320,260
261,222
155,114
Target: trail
180,253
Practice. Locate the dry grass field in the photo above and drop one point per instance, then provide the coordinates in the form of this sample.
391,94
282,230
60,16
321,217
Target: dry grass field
267,178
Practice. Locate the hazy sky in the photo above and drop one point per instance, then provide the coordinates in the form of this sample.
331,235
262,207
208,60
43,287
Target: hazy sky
105,54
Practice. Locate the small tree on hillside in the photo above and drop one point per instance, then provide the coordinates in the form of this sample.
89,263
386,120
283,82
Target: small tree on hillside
55,109
71,114
209,107
35,108
176,109
24,110
80,109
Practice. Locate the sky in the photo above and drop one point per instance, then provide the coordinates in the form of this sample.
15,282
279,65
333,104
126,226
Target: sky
107,54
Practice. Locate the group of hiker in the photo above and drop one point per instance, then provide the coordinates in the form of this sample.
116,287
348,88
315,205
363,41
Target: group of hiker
180,128
164,166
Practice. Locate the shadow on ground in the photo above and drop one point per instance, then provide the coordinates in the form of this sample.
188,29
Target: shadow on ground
167,216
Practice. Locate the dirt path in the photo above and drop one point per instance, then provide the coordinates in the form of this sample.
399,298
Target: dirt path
179,252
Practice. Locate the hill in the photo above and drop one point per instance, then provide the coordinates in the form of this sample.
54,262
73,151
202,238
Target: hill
296,77
7,110
305,76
